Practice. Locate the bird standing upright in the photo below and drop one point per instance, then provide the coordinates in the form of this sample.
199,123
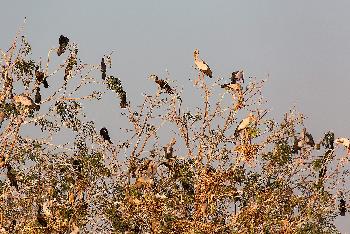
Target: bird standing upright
201,65
63,42
105,135
11,175
103,68
163,85
37,98
342,207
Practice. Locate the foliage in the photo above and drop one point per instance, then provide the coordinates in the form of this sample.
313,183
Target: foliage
198,177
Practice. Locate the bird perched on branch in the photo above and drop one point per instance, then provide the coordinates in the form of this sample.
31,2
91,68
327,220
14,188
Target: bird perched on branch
25,101
163,85
63,42
12,176
235,87
40,77
103,68
307,138
245,123
105,135
37,98
201,65
41,217
343,141
237,76
342,207
123,102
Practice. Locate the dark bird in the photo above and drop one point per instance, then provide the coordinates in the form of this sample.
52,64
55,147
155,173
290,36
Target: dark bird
63,42
328,140
41,217
309,140
77,165
123,103
342,207
37,98
12,176
40,77
103,68
105,135
201,65
162,84
237,76
296,147
322,172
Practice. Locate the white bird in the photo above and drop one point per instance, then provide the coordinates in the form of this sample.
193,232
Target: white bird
245,123
343,141
201,65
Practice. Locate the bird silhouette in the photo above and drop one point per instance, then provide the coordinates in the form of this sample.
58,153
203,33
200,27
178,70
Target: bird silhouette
77,165
163,85
41,217
63,42
307,137
103,69
37,98
123,102
105,135
11,175
201,65
342,207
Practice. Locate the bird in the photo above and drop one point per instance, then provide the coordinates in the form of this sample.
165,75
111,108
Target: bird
72,61
25,101
123,102
307,138
103,69
296,146
237,76
105,135
37,98
201,65
328,140
343,141
235,87
41,217
12,176
162,84
63,42
40,77
77,165
342,207
245,123
322,172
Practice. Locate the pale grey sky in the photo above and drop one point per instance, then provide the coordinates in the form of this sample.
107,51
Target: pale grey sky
304,46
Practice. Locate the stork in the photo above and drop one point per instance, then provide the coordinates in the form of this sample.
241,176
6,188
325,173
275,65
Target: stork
245,123
201,65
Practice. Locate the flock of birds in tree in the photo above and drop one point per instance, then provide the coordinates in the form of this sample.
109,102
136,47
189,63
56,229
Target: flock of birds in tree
234,85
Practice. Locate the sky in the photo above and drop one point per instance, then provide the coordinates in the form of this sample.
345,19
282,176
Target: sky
301,47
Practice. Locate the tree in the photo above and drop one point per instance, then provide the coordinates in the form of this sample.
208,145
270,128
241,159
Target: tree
175,171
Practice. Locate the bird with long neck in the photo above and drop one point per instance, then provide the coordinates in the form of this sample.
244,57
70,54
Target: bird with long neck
201,65
245,123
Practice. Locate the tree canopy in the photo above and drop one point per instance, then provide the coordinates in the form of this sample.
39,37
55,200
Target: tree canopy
222,167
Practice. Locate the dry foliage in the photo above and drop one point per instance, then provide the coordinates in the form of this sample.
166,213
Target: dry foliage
176,171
